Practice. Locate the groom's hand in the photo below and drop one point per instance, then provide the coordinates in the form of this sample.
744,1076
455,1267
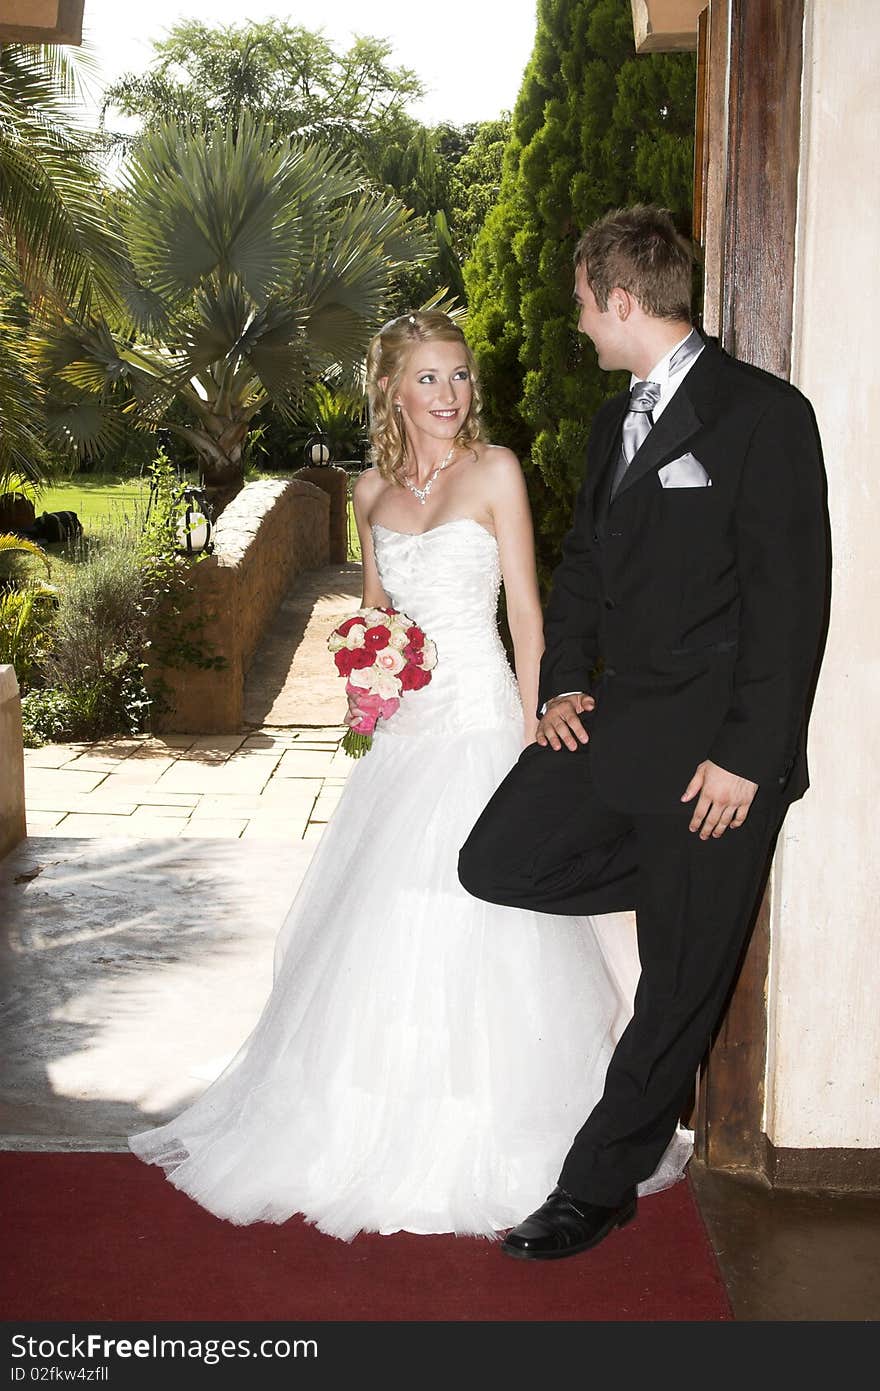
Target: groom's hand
724,800
560,724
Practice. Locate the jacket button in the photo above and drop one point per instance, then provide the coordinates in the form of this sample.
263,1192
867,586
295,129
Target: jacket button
610,671
595,536
609,603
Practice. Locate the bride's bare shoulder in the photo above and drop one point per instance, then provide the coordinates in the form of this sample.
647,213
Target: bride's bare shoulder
500,465
495,455
368,486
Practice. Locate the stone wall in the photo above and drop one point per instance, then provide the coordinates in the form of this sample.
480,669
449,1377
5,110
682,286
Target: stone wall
334,482
269,533
12,819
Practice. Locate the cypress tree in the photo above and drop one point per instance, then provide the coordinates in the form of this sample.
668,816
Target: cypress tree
594,127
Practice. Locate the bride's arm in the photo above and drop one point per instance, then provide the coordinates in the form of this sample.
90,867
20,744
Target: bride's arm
512,519
364,494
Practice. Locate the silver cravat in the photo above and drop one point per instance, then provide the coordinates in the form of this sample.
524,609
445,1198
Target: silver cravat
643,397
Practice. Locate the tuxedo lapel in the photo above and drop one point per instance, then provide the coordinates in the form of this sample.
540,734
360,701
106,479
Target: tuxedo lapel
683,417
606,459
674,428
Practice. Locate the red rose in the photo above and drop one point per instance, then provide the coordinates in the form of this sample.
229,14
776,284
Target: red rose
416,636
413,678
352,659
377,638
345,628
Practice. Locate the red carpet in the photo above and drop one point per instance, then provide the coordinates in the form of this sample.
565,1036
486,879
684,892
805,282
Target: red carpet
102,1236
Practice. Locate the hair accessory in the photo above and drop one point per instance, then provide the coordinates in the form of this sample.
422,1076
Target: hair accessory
412,319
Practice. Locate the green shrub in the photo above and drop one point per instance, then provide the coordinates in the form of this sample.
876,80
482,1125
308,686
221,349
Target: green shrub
26,622
595,126
46,716
126,597
95,665
175,628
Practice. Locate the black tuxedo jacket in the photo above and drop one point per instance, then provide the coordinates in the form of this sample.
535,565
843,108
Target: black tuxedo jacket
694,614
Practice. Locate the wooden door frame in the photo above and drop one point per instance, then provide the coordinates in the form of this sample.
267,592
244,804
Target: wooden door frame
747,156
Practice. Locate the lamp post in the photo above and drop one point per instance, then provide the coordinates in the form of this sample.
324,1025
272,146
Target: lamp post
317,451
194,528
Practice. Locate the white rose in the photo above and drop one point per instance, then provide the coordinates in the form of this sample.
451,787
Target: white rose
382,683
429,655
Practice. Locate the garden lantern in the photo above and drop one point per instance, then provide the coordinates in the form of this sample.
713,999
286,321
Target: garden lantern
194,529
317,451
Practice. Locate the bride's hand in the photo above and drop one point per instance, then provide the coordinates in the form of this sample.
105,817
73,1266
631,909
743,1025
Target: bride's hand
354,715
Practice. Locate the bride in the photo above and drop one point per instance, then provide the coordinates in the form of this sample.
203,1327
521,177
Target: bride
424,1058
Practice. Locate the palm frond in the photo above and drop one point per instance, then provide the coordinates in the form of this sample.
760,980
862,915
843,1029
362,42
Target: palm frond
10,542
22,451
86,428
228,204
52,213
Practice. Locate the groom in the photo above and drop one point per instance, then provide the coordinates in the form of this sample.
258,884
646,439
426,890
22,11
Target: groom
682,635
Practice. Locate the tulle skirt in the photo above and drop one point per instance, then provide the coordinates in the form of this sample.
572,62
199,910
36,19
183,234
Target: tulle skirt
424,1059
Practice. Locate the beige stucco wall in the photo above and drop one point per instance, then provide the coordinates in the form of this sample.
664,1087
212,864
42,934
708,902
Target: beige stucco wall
12,818
824,1068
269,533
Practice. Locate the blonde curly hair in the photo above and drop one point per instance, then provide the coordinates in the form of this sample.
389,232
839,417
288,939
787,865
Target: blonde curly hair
387,356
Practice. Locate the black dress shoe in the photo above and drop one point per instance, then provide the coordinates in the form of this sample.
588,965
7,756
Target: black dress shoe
565,1225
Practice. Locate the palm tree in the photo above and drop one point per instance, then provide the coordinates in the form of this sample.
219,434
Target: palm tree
56,248
258,266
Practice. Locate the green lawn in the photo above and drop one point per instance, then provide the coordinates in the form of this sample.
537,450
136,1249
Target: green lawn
98,499
102,500
354,541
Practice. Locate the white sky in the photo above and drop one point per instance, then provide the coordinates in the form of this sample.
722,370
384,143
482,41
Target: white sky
470,57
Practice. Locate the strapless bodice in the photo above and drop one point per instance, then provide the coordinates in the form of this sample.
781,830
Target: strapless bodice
447,580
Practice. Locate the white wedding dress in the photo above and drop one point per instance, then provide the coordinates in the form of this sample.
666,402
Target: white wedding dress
424,1059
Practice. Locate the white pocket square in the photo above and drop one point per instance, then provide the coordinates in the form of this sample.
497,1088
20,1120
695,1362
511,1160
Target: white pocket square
684,472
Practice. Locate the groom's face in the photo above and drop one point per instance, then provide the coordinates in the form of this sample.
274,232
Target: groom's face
601,326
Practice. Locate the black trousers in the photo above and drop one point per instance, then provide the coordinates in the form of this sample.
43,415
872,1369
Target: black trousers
549,843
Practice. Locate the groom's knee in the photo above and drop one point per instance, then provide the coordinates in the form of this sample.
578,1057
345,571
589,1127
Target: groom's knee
474,864
483,867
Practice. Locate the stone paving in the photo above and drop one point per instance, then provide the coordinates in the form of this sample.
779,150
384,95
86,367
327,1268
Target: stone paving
278,779
291,681
141,913
277,784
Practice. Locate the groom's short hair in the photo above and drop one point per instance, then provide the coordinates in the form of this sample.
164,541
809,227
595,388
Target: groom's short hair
640,250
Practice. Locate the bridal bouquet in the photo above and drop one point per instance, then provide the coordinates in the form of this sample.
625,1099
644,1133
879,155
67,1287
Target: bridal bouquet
381,653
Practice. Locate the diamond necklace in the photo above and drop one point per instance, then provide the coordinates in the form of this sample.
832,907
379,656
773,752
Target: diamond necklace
422,493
